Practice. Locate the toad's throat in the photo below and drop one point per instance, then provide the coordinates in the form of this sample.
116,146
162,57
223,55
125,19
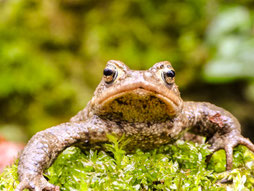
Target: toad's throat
138,105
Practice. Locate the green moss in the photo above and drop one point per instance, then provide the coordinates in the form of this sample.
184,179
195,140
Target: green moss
180,166
8,179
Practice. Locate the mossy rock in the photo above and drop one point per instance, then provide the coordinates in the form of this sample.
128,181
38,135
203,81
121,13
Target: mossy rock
180,166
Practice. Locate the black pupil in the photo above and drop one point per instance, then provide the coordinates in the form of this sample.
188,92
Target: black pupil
170,73
108,72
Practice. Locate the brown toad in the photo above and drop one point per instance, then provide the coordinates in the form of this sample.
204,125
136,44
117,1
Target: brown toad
145,106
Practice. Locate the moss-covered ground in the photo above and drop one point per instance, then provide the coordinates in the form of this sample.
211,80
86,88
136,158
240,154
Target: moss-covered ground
180,166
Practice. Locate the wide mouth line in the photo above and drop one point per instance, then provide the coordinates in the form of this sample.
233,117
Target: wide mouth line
154,91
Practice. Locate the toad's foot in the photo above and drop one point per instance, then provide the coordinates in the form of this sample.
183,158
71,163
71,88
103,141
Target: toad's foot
228,142
38,183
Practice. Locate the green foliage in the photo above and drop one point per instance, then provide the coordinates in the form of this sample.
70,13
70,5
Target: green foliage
230,35
180,166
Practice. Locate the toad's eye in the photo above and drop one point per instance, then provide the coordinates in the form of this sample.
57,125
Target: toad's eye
110,74
168,76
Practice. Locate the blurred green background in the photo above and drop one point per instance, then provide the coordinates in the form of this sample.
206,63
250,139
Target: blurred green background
52,54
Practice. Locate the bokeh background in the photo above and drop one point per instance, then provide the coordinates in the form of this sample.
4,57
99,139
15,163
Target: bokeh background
52,54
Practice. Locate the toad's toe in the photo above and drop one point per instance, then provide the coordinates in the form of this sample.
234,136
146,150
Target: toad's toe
37,183
228,142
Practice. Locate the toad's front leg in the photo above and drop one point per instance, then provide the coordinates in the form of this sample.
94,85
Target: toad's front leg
44,147
221,128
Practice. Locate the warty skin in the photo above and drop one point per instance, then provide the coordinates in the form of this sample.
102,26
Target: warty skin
145,106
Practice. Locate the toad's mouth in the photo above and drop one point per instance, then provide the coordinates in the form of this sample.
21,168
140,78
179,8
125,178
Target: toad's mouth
138,103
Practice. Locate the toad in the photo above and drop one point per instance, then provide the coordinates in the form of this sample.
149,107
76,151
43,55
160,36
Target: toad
145,106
